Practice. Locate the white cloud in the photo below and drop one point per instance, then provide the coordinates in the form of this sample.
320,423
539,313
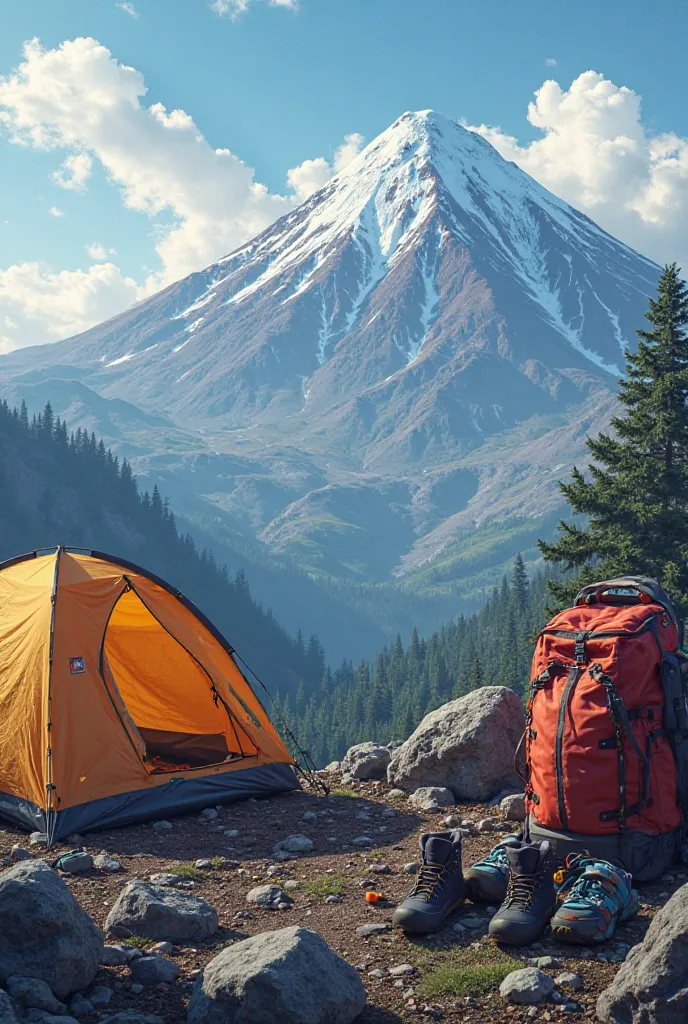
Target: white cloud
78,98
595,152
75,172
55,211
40,304
311,175
551,62
95,251
235,8
129,9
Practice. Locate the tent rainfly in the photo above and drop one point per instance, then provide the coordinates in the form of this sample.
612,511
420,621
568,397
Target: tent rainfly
119,700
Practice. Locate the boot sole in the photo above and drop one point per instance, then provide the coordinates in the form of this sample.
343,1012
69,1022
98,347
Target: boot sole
520,940
424,928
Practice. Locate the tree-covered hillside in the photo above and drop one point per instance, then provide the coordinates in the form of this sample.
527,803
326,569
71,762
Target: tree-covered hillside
58,488
385,699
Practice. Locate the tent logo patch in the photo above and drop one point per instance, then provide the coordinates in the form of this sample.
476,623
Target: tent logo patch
77,666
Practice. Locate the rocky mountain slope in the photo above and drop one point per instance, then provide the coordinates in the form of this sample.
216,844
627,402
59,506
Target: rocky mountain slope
416,352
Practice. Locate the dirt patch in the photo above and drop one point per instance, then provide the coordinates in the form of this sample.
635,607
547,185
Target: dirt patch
459,971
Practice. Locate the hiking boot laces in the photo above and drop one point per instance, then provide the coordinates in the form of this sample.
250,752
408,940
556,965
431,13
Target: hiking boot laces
430,878
520,890
587,887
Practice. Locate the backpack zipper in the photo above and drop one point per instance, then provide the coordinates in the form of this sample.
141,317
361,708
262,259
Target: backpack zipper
575,673
571,634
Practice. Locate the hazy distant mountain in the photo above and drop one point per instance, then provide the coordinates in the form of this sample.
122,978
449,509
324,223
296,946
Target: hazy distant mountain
416,352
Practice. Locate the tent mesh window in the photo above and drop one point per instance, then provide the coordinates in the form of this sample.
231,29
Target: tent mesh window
165,698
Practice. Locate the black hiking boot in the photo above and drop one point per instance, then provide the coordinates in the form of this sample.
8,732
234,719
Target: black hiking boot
530,896
439,887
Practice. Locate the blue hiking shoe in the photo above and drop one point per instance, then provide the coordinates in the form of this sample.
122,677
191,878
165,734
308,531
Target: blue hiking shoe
487,879
593,897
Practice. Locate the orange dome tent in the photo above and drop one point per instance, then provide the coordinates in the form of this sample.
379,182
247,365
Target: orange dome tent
119,700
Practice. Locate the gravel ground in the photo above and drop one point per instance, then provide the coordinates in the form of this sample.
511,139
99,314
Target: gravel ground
337,867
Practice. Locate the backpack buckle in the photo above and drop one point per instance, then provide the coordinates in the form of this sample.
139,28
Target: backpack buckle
579,648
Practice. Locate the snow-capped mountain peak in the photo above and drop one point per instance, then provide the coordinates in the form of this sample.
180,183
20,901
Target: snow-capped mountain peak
426,256
421,346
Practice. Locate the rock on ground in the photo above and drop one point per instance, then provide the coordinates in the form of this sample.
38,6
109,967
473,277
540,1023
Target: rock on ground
44,933
119,956
7,1014
527,986
33,993
161,913
105,863
652,983
513,807
269,897
152,970
427,798
293,844
289,976
366,761
569,980
466,745
18,853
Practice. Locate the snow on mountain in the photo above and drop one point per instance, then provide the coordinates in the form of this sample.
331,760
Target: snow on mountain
429,305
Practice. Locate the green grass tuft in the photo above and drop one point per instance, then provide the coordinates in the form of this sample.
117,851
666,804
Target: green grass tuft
332,885
344,792
217,862
465,980
137,942
187,871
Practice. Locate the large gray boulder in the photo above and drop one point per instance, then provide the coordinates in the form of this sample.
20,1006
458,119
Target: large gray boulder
289,976
466,746
366,761
651,986
44,933
159,912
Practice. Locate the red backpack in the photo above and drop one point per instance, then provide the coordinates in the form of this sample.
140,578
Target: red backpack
606,739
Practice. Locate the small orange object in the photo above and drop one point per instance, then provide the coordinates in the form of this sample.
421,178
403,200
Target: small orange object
374,897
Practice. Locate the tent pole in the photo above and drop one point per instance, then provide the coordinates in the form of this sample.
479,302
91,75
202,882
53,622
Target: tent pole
51,812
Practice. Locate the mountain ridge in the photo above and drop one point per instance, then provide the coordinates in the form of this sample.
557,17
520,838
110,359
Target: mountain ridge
415,352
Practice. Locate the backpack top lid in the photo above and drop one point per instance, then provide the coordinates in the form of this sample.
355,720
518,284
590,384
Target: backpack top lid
628,590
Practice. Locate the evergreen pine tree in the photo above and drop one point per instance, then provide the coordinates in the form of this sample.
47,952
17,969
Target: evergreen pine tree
519,582
636,499
48,424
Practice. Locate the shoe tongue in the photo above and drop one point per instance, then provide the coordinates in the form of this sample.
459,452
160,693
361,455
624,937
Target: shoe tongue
523,860
438,850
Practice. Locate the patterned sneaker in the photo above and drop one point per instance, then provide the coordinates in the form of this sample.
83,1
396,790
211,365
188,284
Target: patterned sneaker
439,887
487,878
593,897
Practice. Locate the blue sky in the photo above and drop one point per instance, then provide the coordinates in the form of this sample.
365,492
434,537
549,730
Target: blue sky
278,86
